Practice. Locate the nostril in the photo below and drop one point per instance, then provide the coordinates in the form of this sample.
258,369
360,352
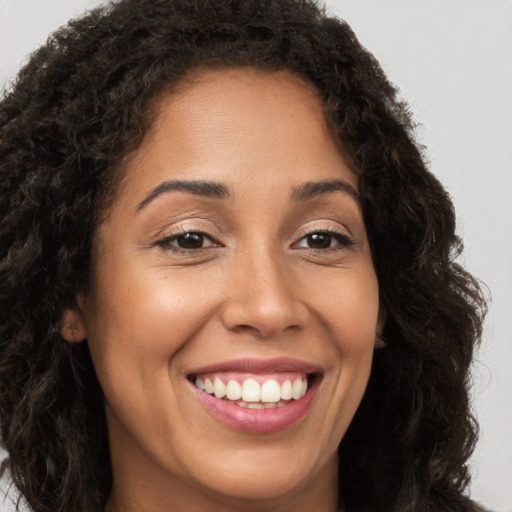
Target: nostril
264,319
263,297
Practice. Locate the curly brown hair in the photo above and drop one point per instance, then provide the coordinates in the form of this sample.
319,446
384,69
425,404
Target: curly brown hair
82,104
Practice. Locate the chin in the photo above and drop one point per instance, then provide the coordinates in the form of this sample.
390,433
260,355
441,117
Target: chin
258,484
269,477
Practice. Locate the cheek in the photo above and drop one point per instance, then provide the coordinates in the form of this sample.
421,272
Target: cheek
138,328
140,320
348,306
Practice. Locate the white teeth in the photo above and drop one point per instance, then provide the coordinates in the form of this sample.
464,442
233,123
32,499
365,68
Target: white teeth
250,391
233,390
219,388
255,405
286,390
270,391
297,389
208,386
304,387
260,405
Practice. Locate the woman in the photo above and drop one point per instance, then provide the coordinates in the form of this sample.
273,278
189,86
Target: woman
213,215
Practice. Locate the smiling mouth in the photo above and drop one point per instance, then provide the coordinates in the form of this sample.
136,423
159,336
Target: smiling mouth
254,391
257,396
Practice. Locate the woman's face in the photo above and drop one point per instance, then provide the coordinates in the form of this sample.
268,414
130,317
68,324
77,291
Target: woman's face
234,254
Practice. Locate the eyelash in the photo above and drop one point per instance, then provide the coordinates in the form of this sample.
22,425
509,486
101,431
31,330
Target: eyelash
343,241
165,242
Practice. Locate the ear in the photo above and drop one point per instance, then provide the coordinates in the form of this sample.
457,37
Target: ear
381,319
72,324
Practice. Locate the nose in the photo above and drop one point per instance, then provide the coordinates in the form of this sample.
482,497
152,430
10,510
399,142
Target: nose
263,298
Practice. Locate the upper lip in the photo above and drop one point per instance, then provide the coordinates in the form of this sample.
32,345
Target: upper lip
252,365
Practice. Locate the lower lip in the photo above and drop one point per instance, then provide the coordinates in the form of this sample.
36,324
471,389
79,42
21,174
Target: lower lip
257,421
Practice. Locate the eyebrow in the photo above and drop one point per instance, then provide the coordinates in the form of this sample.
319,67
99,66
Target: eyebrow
209,189
212,189
313,189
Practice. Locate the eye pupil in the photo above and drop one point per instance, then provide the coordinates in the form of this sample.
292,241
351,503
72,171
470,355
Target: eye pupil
190,240
319,240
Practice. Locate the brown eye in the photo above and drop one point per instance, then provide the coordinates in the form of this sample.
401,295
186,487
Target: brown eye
190,241
319,240
323,240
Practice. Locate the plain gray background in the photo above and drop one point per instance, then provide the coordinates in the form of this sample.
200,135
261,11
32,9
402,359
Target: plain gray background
452,60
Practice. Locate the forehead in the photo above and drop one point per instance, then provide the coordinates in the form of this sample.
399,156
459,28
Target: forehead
235,86
242,123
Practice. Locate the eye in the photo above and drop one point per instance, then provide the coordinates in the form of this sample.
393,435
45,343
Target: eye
188,241
324,240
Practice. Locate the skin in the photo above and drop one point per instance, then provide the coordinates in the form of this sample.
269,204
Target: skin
255,289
